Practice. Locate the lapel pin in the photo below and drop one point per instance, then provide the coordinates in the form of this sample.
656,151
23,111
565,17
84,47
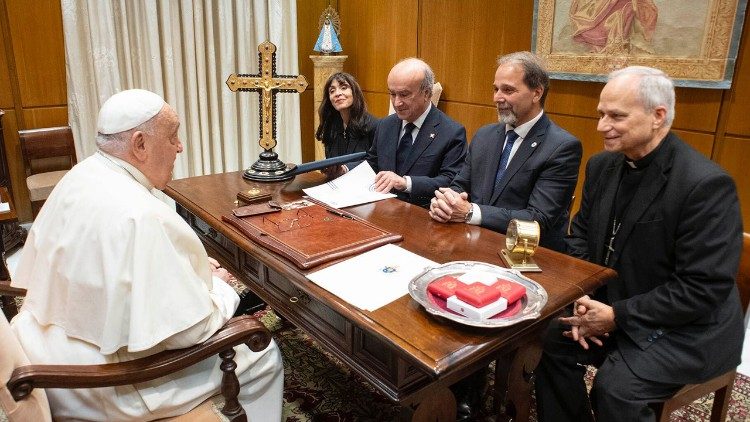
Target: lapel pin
533,145
432,136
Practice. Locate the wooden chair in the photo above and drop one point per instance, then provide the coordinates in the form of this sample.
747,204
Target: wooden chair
21,385
722,385
47,155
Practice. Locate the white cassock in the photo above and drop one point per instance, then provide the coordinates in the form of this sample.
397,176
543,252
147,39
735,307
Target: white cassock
114,274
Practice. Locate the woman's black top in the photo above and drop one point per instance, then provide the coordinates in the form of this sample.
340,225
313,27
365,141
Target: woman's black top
339,141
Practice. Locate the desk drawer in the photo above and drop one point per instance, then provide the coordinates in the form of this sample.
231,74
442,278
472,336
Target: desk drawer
318,317
216,240
396,371
250,268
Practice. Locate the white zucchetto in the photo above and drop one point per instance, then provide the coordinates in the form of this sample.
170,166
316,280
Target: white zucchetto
128,109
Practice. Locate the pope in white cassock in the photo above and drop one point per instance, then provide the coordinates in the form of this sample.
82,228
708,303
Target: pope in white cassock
114,274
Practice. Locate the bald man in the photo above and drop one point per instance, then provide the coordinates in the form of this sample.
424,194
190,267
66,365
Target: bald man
419,148
114,274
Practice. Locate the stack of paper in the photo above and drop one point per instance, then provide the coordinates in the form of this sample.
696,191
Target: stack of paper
353,188
374,278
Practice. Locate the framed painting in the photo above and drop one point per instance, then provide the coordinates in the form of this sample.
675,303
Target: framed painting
694,41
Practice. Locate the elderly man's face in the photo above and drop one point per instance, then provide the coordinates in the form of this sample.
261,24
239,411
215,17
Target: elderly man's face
516,102
626,125
163,146
408,100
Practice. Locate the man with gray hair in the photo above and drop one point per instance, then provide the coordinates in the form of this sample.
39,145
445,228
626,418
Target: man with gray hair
667,219
523,167
112,274
419,148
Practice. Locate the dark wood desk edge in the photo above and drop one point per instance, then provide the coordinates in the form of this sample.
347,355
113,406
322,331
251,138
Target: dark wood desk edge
439,373
356,315
280,263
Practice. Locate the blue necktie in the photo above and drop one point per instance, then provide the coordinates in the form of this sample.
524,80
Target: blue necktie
510,138
404,148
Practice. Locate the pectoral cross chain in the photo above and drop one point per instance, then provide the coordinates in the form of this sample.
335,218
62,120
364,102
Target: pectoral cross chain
610,245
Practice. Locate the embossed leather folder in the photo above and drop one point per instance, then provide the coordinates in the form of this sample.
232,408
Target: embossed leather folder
312,235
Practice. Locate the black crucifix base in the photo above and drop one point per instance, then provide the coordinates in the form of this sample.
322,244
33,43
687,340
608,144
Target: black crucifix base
269,168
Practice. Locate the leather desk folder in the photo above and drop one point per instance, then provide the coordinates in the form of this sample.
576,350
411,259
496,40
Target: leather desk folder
312,235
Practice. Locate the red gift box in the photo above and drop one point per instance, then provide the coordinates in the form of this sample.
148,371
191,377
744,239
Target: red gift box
445,286
477,294
509,290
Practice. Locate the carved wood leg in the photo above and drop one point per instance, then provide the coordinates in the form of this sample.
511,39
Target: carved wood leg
513,381
230,388
440,406
721,403
9,306
13,235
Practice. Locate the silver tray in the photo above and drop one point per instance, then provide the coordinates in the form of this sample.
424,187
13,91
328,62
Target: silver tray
533,302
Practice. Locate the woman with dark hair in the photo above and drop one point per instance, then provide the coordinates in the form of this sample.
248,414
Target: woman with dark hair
345,125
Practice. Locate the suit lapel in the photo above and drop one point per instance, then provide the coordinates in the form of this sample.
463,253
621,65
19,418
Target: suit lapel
425,136
528,146
652,183
611,176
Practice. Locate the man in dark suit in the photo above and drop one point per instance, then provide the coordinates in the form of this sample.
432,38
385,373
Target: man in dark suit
667,219
418,148
524,167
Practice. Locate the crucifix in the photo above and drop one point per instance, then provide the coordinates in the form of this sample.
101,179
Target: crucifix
267,83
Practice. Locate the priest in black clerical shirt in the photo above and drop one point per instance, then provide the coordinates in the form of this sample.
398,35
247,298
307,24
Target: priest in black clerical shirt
667,219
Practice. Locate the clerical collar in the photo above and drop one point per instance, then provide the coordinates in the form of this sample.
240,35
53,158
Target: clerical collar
523,130
129,168
646,160
420,120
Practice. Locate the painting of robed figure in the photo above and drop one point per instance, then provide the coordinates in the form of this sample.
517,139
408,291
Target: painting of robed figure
694,41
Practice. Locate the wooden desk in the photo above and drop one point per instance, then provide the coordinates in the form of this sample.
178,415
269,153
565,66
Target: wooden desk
409,355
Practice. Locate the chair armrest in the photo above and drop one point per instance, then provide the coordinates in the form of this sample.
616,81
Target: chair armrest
6,290
243,329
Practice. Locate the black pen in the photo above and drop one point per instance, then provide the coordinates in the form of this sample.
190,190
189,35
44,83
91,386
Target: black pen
340,213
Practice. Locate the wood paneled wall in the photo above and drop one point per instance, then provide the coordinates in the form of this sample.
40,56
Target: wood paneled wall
32,80
462,39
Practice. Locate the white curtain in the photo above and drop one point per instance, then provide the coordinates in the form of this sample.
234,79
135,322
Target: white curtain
184,51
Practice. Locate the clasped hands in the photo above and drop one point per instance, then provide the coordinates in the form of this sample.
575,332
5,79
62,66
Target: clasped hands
449,206
591,321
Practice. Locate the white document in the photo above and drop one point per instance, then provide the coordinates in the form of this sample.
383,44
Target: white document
4,206
353,188
374,278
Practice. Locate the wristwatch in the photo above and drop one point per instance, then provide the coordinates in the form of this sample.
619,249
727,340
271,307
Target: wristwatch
469,214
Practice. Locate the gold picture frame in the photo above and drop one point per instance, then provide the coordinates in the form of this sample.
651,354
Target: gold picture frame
694,42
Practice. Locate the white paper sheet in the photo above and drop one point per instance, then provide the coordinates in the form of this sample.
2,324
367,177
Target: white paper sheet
374,278
353,188
4,206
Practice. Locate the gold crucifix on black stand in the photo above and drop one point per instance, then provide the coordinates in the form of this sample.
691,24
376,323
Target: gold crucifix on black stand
267,83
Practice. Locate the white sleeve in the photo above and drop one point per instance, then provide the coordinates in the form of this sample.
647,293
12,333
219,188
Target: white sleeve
225,301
